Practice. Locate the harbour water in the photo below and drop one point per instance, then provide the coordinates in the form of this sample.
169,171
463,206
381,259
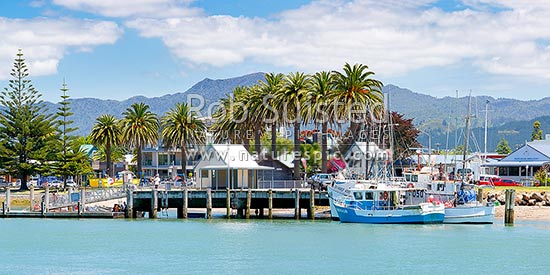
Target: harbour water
219,246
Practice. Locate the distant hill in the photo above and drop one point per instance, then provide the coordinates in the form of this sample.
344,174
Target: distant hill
431,114
86,110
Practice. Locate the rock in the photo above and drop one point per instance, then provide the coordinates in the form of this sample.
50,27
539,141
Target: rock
525,196
532,202
537,197
539,204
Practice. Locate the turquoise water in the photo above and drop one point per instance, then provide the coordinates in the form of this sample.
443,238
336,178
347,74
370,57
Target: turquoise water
198,246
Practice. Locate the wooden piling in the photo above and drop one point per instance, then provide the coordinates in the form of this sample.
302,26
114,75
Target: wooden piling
129,204
270,204
46,204
509,207
480,195
248,203
4,208
31,197
153,213
7,205
80,209
83,200
228,203
311,210
297,213
185,203
209,203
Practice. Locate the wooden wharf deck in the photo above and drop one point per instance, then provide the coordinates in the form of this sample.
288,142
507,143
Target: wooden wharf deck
242,200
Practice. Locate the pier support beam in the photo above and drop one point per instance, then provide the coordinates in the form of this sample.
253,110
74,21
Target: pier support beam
83,200
185,204
7,205
153,213
209,203
248,203
46,201
480,195
270,204
228,203
129,204
311,209
297,212
509,207
31,197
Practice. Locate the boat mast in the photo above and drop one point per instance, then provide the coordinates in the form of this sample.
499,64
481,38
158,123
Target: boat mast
485,138
467,133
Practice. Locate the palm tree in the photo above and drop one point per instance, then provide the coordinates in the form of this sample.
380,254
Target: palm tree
232,118
270,110
321,110
255,106
139,127
180,127
356,94
106,132
296,86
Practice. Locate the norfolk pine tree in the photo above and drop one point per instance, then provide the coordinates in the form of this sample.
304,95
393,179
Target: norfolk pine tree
27,132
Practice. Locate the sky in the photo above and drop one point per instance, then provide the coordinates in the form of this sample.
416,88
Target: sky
119,49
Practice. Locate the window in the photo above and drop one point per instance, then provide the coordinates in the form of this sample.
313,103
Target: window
503,171
513,171
368,196
358,195
204,173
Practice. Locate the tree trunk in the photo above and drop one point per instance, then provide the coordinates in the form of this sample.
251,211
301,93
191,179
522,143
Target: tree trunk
139,166
274,140
183,160
257,141
324,153
297,159
108,156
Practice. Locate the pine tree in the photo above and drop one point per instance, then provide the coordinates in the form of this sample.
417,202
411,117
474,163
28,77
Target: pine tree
503,147
64,129
537,131
27,132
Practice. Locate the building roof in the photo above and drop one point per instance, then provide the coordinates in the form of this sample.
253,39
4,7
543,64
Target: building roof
534,153
228,156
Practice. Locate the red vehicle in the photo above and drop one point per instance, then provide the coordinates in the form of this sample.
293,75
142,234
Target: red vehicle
497,181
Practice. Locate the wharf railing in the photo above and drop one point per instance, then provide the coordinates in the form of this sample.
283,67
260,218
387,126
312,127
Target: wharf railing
281,184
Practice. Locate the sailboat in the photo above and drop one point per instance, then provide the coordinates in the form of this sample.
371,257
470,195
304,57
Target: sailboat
466,208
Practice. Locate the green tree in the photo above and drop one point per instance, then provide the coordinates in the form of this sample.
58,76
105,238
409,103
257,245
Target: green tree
27,132
182,127
292,96
140,127
106,132
64,129
321,110
503,147
271,110
537,131
359,98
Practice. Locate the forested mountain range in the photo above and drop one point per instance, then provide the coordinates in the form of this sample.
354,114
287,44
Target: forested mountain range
509,118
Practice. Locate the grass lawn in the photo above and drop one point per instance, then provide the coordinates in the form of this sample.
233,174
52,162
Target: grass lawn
524,188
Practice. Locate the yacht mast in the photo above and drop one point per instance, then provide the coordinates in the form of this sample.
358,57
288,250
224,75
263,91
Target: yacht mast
467,132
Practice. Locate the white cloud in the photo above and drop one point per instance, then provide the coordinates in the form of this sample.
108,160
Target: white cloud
46,41
391,37
142,8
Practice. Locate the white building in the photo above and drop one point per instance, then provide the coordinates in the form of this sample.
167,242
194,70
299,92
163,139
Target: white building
228,166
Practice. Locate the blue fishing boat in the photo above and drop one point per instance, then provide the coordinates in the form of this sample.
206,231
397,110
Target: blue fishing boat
388,205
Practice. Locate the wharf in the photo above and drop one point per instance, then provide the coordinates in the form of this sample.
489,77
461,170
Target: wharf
242,200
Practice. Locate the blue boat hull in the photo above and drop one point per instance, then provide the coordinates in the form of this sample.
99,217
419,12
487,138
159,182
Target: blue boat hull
385,217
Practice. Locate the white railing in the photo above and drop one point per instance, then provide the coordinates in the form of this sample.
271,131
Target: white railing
281,184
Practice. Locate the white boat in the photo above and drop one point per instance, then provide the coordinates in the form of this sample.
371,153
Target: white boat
388,205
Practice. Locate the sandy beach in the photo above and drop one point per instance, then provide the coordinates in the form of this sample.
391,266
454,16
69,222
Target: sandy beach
532,213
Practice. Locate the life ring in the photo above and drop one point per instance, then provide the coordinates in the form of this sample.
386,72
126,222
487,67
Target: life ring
410,185
385,195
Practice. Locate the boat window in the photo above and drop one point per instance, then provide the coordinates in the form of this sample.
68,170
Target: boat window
368,196
414,178
407,177
358,195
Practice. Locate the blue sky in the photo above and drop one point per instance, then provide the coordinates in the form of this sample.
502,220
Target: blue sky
119,49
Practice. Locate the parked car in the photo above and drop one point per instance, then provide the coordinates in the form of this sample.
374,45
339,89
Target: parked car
70,183
56,183
320,181
497,181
